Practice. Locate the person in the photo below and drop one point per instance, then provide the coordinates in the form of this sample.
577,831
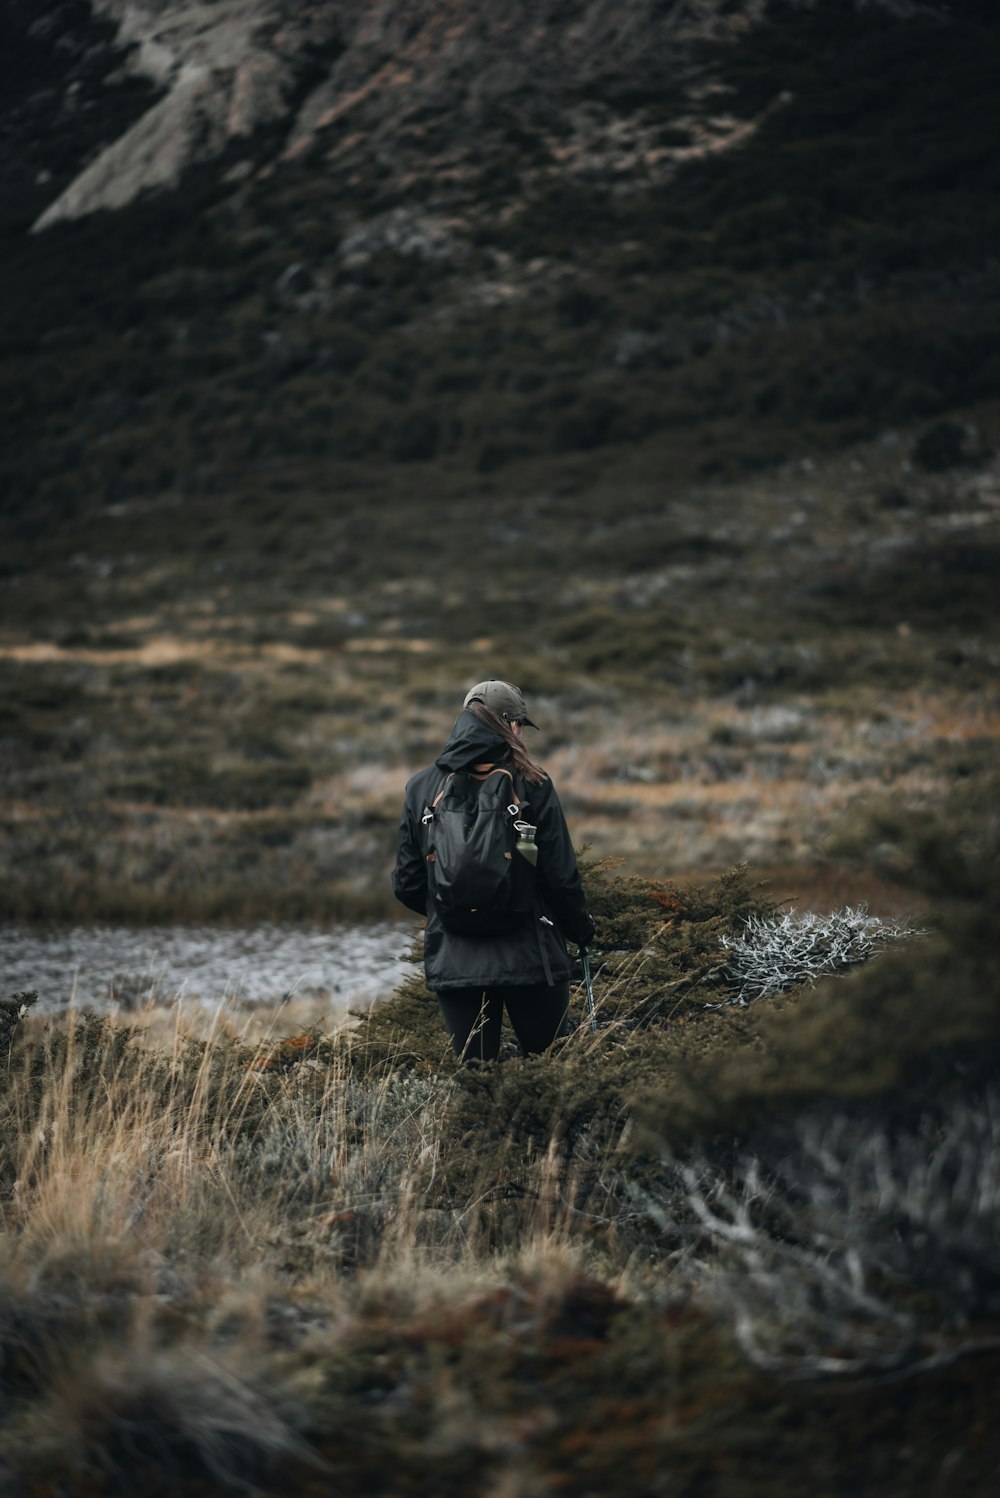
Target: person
525,969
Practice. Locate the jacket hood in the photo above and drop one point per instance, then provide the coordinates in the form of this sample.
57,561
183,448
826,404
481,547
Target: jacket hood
472,743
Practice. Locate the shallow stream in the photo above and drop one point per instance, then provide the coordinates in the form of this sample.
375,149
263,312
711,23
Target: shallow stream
104,966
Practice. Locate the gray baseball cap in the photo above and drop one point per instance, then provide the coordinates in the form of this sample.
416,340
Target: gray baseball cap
503,698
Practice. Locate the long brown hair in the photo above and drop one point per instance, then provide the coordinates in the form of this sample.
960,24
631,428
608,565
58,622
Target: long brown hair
521,760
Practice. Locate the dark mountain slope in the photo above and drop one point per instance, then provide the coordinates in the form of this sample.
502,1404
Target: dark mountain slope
564,260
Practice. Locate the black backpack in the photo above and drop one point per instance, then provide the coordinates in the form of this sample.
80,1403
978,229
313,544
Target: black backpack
481,886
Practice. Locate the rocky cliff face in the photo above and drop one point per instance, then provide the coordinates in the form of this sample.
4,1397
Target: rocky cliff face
585,90
223,71
586,83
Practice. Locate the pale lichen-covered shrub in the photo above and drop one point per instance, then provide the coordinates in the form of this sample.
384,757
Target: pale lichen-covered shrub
855,1246
780,951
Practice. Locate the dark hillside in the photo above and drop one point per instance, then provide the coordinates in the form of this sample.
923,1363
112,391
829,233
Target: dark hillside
827,276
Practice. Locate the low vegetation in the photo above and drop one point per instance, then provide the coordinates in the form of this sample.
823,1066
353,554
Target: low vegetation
698,1244
227,753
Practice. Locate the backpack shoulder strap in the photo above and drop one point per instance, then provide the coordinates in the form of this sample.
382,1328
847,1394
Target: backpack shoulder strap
444,786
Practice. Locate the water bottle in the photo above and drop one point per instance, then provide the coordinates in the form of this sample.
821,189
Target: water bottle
526,845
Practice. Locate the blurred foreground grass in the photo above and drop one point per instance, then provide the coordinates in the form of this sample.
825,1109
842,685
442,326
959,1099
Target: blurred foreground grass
342,1260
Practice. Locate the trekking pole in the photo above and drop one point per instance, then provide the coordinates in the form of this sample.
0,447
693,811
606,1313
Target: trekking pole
585,959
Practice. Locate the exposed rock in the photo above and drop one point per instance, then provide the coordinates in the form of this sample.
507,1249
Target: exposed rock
402,231
228,69
152,154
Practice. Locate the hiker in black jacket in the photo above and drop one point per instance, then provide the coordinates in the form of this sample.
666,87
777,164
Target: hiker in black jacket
526,967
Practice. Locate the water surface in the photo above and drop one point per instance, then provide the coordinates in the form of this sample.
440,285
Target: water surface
346,966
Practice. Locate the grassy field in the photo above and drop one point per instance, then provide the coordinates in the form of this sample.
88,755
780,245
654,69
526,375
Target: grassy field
725,676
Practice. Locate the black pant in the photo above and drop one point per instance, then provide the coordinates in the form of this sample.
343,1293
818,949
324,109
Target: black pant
474,1015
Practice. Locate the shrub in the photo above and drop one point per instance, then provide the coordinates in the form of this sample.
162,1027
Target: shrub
853,1248
778,952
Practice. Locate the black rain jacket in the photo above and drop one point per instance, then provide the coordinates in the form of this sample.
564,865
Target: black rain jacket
515,957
